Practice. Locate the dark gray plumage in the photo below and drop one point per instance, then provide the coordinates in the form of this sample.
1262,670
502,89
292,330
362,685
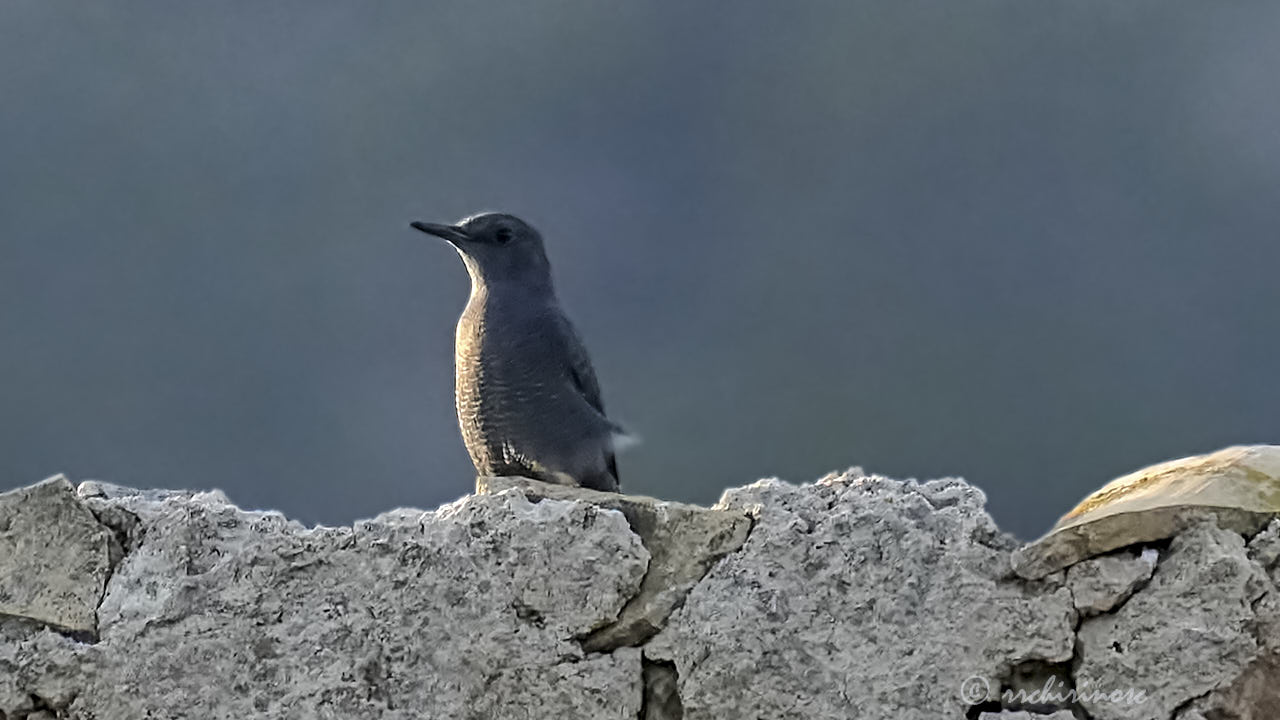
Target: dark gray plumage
527,398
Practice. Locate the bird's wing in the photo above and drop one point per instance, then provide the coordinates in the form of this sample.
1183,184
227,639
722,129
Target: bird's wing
579,368
583,378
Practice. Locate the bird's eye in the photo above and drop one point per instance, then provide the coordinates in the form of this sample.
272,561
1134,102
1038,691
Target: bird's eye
503,235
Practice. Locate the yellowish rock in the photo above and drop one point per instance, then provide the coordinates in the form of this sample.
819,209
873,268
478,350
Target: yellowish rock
1237,487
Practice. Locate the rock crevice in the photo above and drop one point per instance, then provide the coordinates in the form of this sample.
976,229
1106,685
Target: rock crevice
683,541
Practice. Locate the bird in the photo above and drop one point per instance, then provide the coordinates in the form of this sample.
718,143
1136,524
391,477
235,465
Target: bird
527,397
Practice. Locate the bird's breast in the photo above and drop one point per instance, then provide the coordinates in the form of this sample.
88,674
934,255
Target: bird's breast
502,369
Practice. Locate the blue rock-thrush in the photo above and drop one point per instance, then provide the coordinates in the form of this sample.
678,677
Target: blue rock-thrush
527,398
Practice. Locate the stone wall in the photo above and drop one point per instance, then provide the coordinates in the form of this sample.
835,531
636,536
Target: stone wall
854,597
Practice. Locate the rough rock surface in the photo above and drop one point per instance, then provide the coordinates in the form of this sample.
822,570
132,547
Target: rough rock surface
470,610
855,597
1024,715
859,592
683,542
55,557
1188,632
1255,693
1099,584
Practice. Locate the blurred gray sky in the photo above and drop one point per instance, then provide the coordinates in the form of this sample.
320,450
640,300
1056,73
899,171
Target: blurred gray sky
1031,244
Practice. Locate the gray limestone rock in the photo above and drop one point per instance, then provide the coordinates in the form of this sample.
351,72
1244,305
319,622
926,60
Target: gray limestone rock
1100,584
1024,715
860,592
853,597
600,687
684,541
55,557
1188,632
224,613
1255,693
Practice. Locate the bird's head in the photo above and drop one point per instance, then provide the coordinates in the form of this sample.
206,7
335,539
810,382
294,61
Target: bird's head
497,248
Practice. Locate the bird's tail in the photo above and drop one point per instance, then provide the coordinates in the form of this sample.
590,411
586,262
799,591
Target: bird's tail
623,439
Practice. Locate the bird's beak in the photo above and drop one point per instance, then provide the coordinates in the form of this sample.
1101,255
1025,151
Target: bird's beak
451,233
